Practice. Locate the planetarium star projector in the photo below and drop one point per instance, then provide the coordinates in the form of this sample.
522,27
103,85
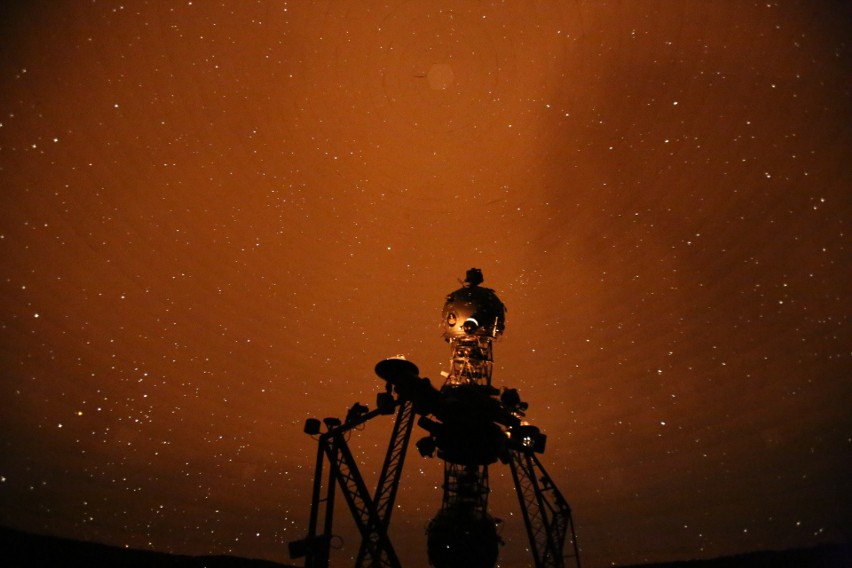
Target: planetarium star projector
469,425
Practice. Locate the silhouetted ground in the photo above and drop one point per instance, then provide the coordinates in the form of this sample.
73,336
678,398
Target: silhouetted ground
829,556
24,550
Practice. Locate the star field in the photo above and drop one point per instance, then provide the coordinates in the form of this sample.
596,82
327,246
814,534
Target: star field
217,217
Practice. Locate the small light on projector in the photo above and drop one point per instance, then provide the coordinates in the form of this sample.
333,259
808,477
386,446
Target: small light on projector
470,325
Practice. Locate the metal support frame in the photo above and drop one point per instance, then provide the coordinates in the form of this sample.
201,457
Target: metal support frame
389,478
472,361
465,488
378,548
371,515
546,513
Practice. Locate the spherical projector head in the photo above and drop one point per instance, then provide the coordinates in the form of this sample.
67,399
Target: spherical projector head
473,310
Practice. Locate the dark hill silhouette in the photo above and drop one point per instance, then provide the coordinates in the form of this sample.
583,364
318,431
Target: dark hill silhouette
26,550
826,556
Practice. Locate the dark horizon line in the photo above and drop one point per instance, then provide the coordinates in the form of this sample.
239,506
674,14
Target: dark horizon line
23,549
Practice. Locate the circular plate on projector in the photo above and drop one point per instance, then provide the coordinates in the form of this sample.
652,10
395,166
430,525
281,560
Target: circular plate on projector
395,367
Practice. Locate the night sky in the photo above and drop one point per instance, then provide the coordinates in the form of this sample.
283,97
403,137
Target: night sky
217,217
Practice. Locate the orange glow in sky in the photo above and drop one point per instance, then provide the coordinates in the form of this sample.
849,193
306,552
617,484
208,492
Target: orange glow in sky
217,218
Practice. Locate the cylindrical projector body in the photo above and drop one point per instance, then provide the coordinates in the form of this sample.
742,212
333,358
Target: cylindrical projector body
462,539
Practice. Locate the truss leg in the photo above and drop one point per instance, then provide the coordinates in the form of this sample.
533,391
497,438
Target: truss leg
389,478
315,548
380,552
343,471
546,514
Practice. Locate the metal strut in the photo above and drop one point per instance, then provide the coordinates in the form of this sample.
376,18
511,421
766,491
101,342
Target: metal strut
546,513
379,550
389,478
371,515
